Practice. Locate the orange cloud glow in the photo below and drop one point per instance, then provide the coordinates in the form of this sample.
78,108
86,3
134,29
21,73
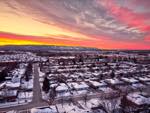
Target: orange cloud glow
105,25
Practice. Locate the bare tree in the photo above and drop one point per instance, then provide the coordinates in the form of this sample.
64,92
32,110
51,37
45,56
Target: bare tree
108,105
85,98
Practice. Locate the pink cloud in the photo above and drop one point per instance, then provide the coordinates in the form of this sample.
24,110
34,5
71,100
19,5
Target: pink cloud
147,38
128,16
144,3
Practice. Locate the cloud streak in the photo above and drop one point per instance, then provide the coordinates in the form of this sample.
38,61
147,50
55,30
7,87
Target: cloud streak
79,20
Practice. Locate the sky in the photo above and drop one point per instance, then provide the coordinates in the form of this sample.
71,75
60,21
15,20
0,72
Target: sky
104,24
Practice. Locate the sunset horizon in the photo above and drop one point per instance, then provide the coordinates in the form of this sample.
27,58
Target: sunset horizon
8,39
103,24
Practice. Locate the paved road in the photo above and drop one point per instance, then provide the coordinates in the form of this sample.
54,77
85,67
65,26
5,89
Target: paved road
37,96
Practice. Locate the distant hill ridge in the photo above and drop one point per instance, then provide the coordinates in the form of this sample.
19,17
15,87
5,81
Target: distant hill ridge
44,48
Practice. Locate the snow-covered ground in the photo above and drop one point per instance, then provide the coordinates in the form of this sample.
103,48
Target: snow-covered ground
41,74
51,109
80,106
16,103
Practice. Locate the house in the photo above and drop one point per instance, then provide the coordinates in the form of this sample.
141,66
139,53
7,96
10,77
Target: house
95,84
138,99
62,88
130,80
114,81
78,86
8,95
11,85
106,90
2,85
135,102
144,79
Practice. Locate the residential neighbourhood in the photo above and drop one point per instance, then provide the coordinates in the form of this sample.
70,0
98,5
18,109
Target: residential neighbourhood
75,82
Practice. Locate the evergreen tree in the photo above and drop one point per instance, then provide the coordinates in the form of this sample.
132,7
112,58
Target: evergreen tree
46,85
112,74
28,72
3,74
